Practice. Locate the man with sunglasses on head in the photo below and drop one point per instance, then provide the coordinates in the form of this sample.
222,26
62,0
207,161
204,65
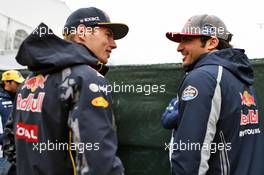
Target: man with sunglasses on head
63,116
218,125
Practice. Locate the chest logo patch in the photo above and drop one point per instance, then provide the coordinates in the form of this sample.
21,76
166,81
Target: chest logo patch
189,93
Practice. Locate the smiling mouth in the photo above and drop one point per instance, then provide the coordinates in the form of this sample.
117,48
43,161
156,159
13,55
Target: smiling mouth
184,58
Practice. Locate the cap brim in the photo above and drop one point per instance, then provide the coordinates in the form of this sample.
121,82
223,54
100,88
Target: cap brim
176,37
119,30
19,80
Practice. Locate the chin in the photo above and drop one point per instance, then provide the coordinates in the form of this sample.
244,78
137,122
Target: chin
185,64
103,60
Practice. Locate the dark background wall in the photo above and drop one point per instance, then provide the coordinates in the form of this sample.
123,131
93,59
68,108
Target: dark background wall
141,136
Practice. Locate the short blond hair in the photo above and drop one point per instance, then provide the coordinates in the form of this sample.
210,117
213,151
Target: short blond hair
69,37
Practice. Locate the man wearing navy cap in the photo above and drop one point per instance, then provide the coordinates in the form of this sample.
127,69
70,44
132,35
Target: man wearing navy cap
219,129
63,111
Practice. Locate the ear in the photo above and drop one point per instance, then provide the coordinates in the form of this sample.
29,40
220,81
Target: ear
212,43
80,31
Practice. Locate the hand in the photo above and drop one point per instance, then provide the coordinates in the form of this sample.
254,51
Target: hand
173,105
170,116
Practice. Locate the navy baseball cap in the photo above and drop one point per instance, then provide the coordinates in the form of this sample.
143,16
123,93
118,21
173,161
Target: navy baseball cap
91,17
202,25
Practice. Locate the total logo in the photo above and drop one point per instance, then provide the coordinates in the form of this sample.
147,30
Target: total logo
34,82
27,132
30,103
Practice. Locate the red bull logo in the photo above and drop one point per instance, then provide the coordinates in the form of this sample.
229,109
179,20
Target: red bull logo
251,118
35,82
247,99
30,103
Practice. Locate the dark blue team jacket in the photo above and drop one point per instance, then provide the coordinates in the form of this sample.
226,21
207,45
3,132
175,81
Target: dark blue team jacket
219,130
62,115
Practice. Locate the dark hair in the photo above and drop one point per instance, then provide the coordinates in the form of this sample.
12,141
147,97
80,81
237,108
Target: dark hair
223,44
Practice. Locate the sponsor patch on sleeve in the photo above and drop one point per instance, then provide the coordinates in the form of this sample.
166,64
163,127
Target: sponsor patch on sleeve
100,102
189,93
94,87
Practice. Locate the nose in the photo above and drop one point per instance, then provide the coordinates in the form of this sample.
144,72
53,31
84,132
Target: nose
180,47
112,43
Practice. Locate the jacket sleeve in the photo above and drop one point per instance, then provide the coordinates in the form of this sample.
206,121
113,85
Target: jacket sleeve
91,122
9,147
199,108
169,118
